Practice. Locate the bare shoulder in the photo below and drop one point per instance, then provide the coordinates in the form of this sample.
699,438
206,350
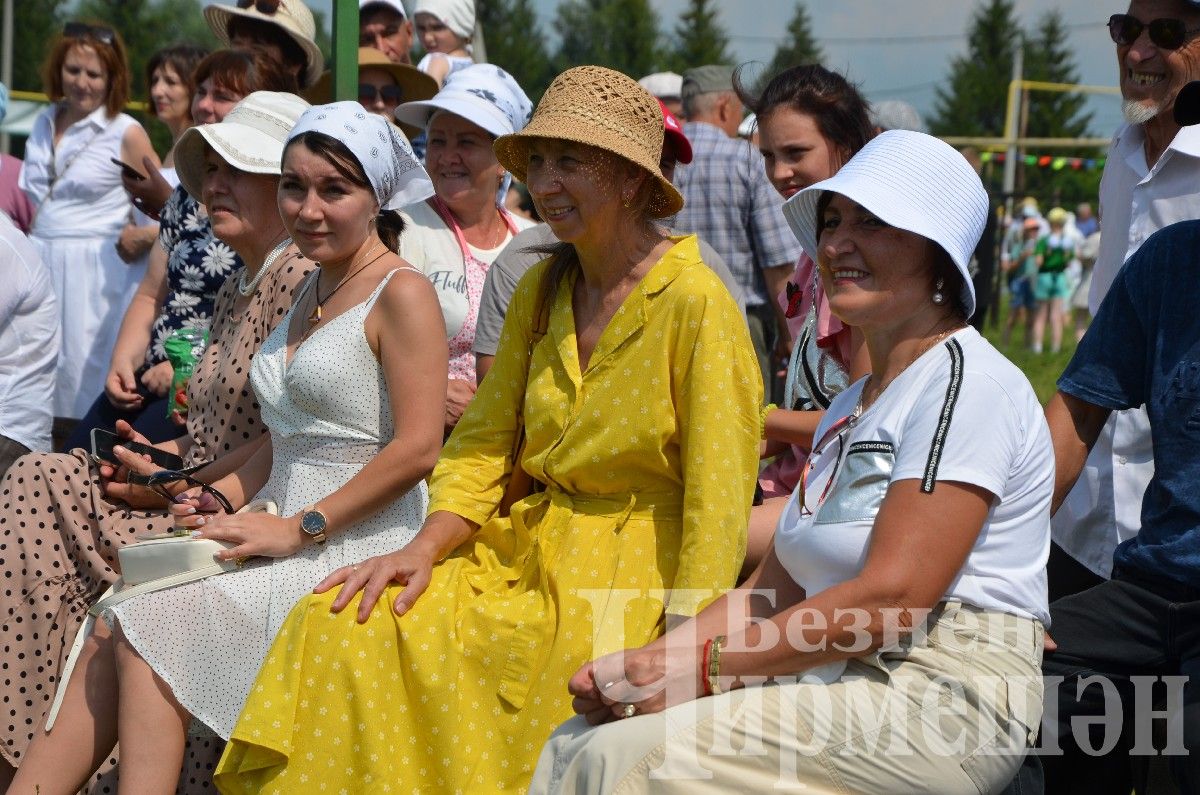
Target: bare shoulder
407,291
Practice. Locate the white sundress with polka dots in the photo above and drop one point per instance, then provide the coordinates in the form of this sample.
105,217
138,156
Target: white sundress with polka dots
328,414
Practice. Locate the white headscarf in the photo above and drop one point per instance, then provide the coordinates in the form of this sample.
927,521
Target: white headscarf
378,146
458,15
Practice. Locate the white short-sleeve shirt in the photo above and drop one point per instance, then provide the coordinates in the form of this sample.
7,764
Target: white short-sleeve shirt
961,412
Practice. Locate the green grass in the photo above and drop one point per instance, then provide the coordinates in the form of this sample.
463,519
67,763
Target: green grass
1042,369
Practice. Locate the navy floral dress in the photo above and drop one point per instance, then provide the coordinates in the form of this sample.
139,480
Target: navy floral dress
197,266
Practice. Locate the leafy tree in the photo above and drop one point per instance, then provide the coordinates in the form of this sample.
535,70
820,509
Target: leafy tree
35,25
974,102
699,38
1049,59
1056,115
515,42
619,34
800,46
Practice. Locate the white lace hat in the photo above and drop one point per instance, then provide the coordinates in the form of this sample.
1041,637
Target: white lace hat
914,182
250,138
292,16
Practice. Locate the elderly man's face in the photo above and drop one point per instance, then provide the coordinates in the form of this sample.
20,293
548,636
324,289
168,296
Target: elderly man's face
1152,76
388,32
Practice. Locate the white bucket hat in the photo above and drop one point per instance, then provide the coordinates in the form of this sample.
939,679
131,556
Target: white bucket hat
292,16
483,94
250,138
914,182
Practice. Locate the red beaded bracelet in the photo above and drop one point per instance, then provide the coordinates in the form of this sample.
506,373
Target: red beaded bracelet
704,667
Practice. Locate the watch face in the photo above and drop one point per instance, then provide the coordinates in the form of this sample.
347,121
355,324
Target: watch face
312,522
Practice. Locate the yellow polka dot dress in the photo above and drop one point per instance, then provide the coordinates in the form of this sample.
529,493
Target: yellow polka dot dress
649,457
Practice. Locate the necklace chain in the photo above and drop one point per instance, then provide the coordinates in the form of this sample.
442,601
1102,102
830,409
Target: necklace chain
248,288
315,317
863,405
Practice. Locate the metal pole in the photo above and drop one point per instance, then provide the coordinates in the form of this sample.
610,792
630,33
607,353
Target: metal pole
6,49
345,49
1010,126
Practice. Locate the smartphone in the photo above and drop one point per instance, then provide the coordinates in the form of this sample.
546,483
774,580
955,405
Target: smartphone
128,170
102,445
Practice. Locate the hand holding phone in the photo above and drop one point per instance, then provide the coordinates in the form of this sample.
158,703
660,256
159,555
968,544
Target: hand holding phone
128,171
102,450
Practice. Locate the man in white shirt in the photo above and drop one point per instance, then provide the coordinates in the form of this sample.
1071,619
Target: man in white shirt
28,346
1150,181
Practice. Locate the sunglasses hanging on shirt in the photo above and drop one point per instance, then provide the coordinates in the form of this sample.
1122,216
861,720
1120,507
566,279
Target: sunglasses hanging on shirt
1165,33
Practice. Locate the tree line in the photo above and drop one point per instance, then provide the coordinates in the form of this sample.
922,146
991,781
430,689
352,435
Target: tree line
630,36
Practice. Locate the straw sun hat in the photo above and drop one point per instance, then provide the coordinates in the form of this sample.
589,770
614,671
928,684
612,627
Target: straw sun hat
913,182
601,108
250,138
292,16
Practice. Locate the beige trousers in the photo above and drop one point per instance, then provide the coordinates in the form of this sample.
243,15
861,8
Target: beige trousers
950,713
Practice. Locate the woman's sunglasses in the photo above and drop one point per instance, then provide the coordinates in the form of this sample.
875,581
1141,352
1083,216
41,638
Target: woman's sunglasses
368,93
261,6
82,30
158,483
1165,33
837,432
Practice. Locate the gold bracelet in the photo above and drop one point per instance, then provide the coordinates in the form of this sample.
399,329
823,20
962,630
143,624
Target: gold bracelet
714,665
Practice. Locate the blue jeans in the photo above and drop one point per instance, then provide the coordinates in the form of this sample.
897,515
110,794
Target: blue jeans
150,420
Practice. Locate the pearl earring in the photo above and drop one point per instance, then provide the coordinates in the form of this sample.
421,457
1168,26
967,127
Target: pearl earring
939,297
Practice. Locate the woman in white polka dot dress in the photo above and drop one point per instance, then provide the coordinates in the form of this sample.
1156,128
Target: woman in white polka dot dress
351,383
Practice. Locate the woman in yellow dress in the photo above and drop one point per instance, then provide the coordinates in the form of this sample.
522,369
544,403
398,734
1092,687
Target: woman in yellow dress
640,409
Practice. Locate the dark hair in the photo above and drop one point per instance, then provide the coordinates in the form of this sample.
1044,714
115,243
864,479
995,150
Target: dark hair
388,223
841,114
244,72
944,268
182,59
111,54
261,30
953,284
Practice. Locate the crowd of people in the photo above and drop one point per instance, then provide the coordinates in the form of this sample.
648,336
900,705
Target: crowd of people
620,442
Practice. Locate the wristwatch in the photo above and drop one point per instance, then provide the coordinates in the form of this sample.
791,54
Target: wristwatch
313,523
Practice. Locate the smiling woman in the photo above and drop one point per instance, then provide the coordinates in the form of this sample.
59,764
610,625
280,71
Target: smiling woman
83,210
456,235
460,643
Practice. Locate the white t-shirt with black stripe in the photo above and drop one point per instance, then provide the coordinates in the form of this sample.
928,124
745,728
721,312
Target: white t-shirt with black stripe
961,412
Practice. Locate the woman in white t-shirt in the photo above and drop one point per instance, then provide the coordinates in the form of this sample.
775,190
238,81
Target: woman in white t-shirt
455,236
899,617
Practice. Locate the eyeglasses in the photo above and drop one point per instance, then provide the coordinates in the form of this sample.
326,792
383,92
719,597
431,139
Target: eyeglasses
367,94
1165,33
261,6
835,431
158,482
82,30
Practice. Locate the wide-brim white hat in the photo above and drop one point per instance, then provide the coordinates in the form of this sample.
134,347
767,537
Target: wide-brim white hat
914,182
250,138
293,17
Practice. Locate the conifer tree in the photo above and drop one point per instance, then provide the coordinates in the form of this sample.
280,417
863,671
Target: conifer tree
699,38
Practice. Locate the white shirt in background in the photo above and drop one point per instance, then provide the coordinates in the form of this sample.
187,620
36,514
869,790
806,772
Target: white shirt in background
1105,506
29,340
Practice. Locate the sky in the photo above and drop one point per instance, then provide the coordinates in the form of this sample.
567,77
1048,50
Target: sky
897,49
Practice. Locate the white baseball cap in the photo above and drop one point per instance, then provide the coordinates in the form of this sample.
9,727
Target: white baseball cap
395,5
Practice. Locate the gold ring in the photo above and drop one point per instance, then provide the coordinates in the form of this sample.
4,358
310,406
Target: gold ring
629,711
239,562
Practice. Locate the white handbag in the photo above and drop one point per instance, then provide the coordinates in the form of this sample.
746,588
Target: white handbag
153,563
